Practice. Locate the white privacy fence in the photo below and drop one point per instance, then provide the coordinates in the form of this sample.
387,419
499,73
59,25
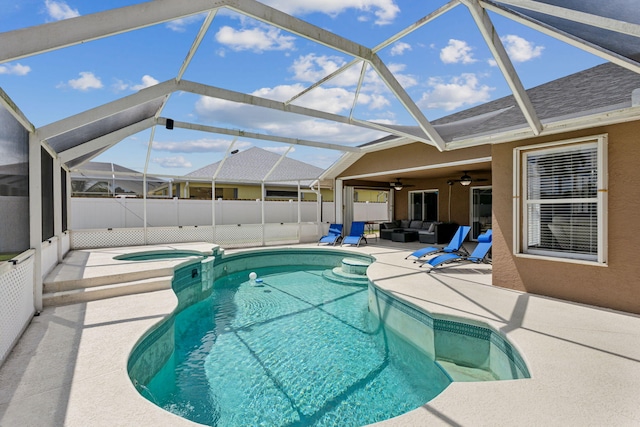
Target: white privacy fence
126,213
228,223
96,213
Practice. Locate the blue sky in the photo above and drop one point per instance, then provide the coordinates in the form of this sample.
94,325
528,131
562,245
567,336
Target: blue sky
444,66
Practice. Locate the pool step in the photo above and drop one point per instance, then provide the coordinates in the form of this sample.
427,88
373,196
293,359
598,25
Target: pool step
96,292
352,271
56,283
465,373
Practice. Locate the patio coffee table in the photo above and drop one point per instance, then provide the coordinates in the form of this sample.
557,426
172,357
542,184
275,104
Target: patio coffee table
404,236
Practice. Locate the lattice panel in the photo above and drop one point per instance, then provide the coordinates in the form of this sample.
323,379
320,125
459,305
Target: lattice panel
160,235
235,236
107,238
16,304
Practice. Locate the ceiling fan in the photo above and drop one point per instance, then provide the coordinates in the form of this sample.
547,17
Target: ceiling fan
466,179
398,185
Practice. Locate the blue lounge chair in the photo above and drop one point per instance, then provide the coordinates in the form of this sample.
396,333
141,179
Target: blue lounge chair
334,235
356,235
454,246
479,254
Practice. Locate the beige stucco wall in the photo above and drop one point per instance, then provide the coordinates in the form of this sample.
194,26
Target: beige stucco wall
410,156
616,286
420,155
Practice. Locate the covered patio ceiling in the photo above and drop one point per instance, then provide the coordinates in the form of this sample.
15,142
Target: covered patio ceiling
610,30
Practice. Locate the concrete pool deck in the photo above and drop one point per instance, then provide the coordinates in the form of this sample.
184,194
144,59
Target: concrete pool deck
69,367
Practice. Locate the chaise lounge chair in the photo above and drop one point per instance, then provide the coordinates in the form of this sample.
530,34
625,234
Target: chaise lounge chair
356,235
454,246
334,235
479,254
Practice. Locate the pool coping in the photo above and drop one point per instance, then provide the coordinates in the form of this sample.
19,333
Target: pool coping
69,368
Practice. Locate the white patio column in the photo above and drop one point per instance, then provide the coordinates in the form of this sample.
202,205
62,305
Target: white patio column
338,202
35,216
57,205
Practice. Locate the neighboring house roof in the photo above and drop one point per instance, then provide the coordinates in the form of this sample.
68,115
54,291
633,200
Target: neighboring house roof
254,164
602,88
116,176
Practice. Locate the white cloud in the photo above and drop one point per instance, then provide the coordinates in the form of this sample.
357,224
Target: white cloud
203,145
59,10
385,11
457,51
311,68
180,25
399,48
172,162
519,49
16,70
86,81
461,90
492,62
406,80
147,81
257,39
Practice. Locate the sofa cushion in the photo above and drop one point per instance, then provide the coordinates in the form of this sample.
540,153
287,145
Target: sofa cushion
415,225
405,223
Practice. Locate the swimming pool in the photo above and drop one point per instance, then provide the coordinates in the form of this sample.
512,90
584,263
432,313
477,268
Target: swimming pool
293,349
158,255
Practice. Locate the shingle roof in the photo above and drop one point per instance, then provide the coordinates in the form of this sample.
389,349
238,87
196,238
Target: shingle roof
254,164
603,87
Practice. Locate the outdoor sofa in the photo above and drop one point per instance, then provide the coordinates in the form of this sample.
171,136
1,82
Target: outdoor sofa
427,231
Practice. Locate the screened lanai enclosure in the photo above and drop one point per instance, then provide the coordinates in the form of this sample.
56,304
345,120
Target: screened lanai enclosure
164,89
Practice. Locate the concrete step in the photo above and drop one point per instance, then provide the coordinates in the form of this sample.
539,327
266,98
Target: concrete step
337,275
92,293
56,283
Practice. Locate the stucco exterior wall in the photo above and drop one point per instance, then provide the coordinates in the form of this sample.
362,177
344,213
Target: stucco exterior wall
615,286
413,155
460,198
418,155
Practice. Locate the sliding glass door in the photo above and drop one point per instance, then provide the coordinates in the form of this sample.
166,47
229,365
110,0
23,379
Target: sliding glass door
480,211
423,205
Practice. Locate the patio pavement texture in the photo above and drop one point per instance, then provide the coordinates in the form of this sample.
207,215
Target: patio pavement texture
69,368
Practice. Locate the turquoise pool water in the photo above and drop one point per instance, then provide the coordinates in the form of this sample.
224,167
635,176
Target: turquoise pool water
157,255
292,350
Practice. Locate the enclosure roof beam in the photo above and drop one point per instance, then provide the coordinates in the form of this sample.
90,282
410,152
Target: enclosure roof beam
564,37
597,21
260,136
68,32
106,141
387,76
501,57
106,110
243,98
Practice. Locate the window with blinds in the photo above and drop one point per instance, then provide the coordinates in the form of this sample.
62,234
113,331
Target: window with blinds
562,209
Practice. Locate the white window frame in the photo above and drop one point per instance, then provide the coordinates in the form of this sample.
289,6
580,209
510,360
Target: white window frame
520,201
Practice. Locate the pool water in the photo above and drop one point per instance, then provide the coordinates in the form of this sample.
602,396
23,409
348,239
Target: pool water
157,255
292,350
